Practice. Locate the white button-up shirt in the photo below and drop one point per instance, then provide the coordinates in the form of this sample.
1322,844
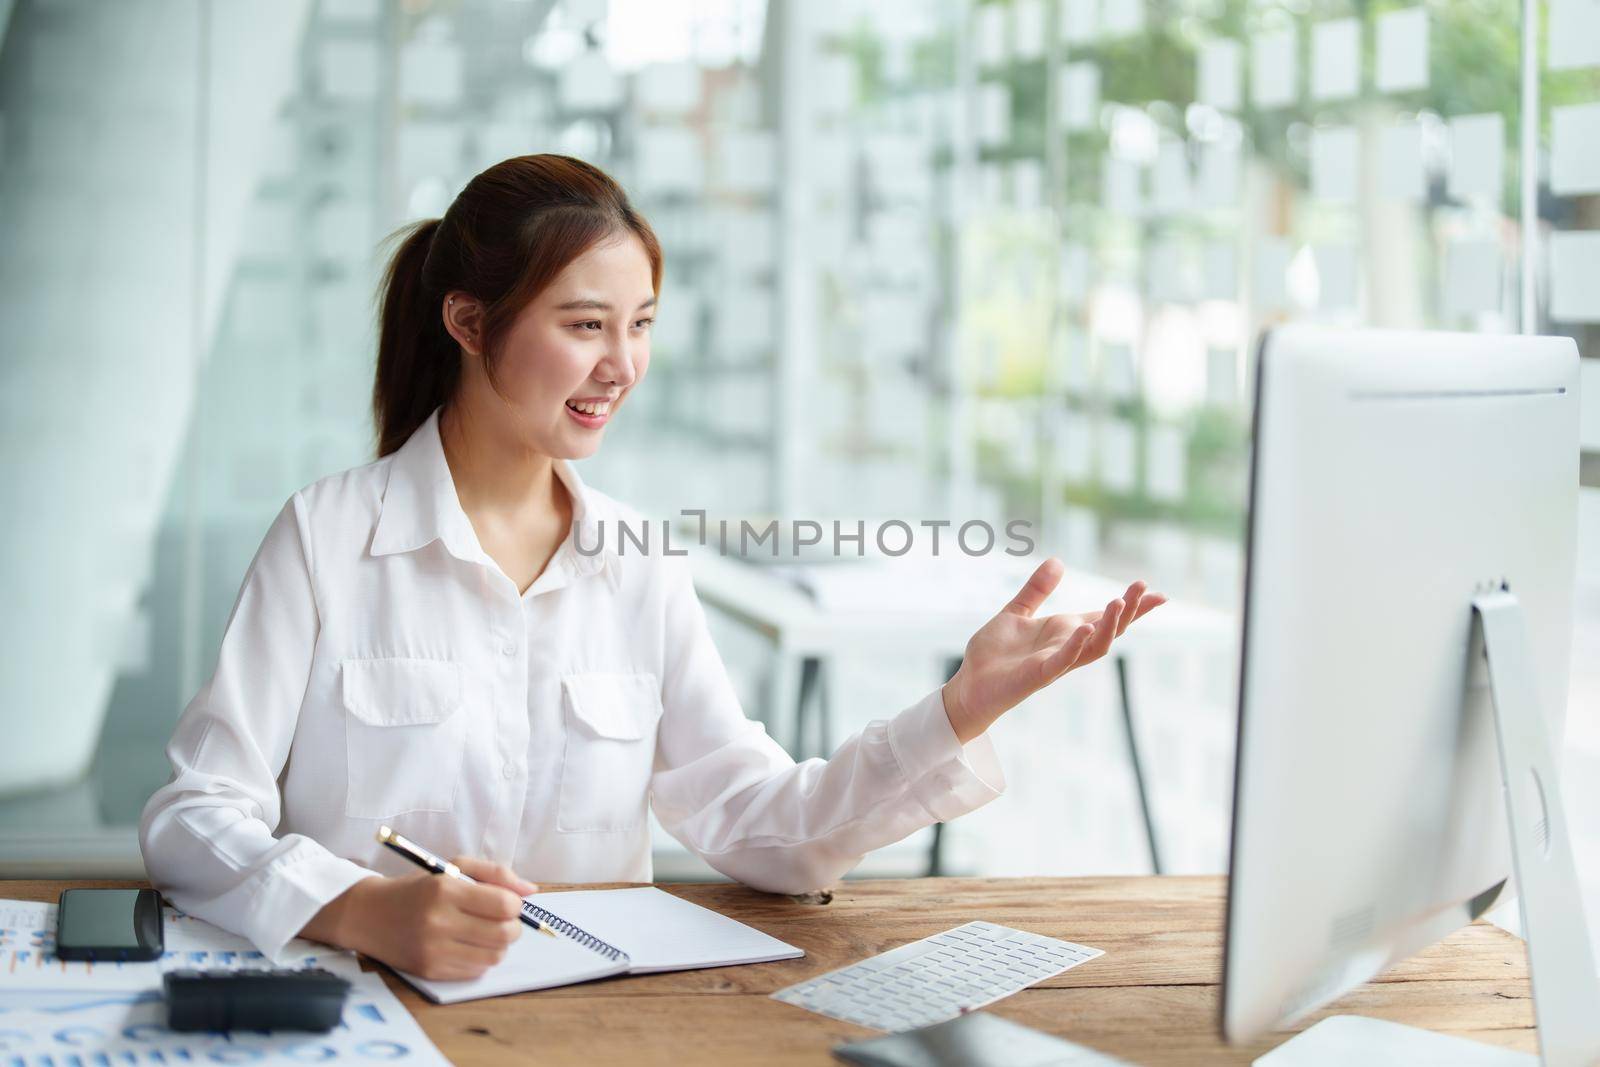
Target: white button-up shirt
379,667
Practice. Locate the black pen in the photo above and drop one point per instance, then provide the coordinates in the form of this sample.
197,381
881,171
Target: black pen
429,862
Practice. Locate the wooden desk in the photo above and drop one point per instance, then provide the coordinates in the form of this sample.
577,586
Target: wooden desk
1152,998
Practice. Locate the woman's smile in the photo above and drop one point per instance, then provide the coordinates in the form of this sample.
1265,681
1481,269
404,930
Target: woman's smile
590,413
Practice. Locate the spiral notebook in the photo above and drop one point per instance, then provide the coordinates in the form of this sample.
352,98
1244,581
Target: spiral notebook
602,932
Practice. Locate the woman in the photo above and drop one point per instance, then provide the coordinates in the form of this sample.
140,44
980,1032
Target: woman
419,642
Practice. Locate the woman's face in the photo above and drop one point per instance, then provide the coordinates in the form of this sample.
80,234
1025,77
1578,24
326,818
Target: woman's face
582,343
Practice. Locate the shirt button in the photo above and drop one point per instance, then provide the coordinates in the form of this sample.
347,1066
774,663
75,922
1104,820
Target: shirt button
509,649
509,771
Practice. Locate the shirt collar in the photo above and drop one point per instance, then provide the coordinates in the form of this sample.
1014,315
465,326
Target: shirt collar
420,506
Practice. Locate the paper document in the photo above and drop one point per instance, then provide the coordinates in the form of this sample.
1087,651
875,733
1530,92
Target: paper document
1218,74
1272,61
55,1012
130,1027
1574,34
1402,50
28,960
1574,153
1477,155
1336,59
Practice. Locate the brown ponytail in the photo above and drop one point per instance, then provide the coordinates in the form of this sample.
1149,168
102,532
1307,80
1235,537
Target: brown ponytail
417,361
508,234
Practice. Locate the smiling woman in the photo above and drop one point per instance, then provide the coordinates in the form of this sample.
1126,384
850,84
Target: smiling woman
419,643
538,260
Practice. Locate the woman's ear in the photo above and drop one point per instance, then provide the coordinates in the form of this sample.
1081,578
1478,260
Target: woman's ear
463,318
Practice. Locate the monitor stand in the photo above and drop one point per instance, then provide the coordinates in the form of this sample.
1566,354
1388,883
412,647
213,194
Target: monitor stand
1566,990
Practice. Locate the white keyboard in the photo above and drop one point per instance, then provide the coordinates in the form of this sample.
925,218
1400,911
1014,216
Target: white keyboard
936,978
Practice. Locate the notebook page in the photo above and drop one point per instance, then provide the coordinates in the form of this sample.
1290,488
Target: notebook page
534,961
661,932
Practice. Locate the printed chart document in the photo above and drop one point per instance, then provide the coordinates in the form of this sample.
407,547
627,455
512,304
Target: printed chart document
28,960
129,1026
60,1012
603,932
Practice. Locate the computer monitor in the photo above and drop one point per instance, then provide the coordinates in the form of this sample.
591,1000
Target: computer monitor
1402,484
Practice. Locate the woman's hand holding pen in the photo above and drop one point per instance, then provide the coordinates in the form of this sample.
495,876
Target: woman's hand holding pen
1014,654
439,928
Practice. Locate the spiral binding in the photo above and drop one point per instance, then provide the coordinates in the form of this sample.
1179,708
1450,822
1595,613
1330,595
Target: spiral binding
575,933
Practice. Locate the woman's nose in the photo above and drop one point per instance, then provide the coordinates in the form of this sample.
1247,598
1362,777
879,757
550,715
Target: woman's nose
617,368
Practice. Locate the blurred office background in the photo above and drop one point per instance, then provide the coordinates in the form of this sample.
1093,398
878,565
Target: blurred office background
924,258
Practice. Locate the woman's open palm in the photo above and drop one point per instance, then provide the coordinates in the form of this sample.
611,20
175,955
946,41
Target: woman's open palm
1015,654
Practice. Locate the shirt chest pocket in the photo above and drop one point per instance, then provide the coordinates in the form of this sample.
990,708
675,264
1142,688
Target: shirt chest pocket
405,735
610,720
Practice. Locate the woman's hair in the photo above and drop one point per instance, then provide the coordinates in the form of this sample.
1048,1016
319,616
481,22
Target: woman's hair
508,234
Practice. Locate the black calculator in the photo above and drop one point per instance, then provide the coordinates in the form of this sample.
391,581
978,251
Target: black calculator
278,999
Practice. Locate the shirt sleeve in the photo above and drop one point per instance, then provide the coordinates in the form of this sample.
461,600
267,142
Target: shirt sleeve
734,796
207,835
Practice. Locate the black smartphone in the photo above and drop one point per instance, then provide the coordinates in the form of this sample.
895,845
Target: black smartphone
109,924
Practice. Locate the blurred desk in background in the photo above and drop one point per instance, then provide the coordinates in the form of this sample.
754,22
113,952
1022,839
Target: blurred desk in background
906,608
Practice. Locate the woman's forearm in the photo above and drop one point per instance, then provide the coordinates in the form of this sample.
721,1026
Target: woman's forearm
335,923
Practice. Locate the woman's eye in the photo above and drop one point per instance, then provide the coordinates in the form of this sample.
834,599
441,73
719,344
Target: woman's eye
644,323
592,324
